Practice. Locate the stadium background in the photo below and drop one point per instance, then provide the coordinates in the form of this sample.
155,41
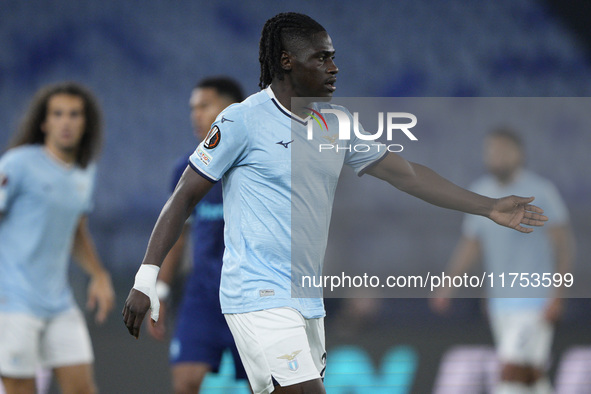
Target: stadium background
143,58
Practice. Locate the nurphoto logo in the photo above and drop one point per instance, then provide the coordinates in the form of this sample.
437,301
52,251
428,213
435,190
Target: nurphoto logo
392,120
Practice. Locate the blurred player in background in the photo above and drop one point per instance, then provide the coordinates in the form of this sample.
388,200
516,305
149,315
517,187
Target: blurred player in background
522,327
201,334
46,185
281,338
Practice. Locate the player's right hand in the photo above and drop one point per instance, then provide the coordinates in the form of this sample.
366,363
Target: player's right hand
134,311
513,211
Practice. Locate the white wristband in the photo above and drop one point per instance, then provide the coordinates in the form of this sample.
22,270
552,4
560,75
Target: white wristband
162,289
145,281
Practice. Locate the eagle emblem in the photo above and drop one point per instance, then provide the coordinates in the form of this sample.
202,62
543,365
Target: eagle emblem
292,361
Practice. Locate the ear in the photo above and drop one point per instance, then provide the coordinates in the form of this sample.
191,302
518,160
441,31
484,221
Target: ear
285,61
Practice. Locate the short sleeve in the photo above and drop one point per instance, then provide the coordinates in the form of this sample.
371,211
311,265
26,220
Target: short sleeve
362,154
223,147
10,174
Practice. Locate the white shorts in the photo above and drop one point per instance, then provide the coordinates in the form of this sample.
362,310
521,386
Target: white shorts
28,342
522,337
280,345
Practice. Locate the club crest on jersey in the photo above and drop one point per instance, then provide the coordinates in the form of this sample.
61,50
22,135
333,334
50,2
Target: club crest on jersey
213,138
292,361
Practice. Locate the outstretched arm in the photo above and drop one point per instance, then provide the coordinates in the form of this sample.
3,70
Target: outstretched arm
424,183
190,189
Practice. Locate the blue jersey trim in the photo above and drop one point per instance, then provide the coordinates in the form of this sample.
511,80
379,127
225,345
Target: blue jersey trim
373,163
286,113
198,171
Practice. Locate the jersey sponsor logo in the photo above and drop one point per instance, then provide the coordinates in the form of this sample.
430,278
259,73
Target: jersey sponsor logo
213,138
266,293
285,144
292,361
203,156
224,119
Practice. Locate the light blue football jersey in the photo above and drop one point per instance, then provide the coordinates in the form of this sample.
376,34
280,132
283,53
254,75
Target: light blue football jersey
41,202
278,193
506,250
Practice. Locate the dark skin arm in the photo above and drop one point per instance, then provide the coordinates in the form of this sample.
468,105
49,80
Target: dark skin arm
422,182
189,191
412,178
167,272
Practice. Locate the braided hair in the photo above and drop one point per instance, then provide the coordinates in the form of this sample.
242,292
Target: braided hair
279,30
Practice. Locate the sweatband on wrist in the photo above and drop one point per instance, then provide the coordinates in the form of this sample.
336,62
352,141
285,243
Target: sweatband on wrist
145,281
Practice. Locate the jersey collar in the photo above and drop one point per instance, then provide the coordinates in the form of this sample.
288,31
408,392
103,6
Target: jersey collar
284,110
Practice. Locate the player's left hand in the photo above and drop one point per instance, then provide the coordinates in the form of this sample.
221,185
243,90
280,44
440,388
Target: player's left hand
101,296
513,211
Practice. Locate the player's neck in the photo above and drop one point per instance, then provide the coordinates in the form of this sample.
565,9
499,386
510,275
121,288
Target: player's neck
284,93
64,157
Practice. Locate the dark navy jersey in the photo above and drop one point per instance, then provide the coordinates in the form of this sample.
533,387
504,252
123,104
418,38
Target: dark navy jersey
207,237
